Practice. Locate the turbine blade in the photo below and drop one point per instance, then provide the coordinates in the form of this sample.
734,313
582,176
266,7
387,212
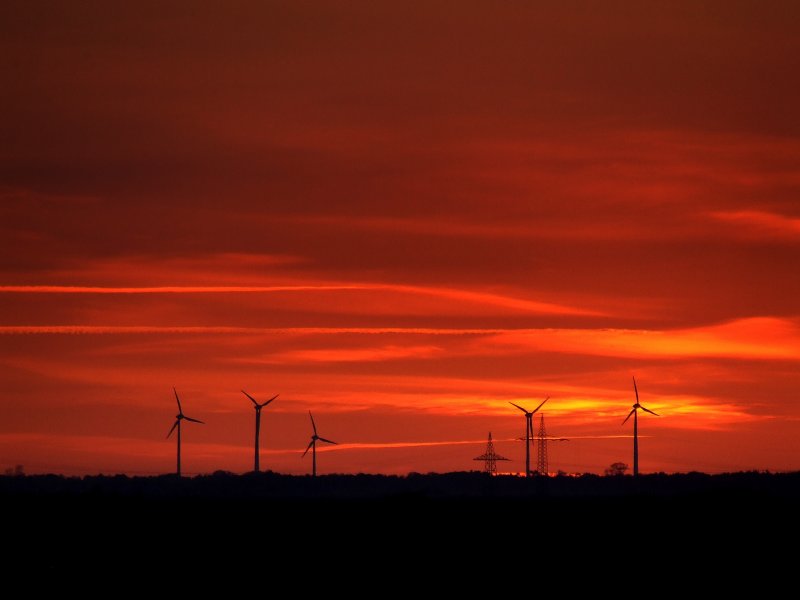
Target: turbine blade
314,425
541,405
648,410
327,441
629,416
193,420
180,410
311,443
253,400
270,400
519,407
635,389
174,425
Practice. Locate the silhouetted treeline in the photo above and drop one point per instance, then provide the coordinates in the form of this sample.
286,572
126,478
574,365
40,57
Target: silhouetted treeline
460,485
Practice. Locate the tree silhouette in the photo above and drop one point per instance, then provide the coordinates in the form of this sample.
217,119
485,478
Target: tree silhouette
616,469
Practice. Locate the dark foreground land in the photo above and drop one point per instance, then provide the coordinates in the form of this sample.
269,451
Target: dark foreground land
387,525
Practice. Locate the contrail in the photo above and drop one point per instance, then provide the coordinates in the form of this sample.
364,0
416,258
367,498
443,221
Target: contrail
484,298
134,329
170,289
390,445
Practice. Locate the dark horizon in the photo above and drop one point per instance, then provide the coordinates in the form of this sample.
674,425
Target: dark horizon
148,526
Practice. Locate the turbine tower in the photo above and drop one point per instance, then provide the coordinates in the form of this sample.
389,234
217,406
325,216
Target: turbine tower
312,445
178,418
490,457
258,407
635,413
529,433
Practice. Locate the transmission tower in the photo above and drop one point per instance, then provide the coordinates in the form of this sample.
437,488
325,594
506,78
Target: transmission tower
490,458
542,466
541,449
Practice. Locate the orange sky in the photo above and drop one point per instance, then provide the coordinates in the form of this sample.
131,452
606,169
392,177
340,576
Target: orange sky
401,217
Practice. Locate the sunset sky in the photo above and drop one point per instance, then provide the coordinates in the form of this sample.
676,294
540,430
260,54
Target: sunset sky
402,216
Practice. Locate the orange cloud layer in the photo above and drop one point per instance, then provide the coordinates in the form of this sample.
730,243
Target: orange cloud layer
760,338
761,224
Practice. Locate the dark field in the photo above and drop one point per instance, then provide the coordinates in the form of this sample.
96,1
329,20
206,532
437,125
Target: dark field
150,526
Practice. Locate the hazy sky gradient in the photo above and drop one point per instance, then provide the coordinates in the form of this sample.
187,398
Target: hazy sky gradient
401,216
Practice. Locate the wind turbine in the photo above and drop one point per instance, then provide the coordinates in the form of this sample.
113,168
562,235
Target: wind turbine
529,433
258,408
178,418
635,413
312,445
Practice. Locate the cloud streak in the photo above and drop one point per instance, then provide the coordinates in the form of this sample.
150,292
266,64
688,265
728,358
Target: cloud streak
759,224
758,338
450,294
